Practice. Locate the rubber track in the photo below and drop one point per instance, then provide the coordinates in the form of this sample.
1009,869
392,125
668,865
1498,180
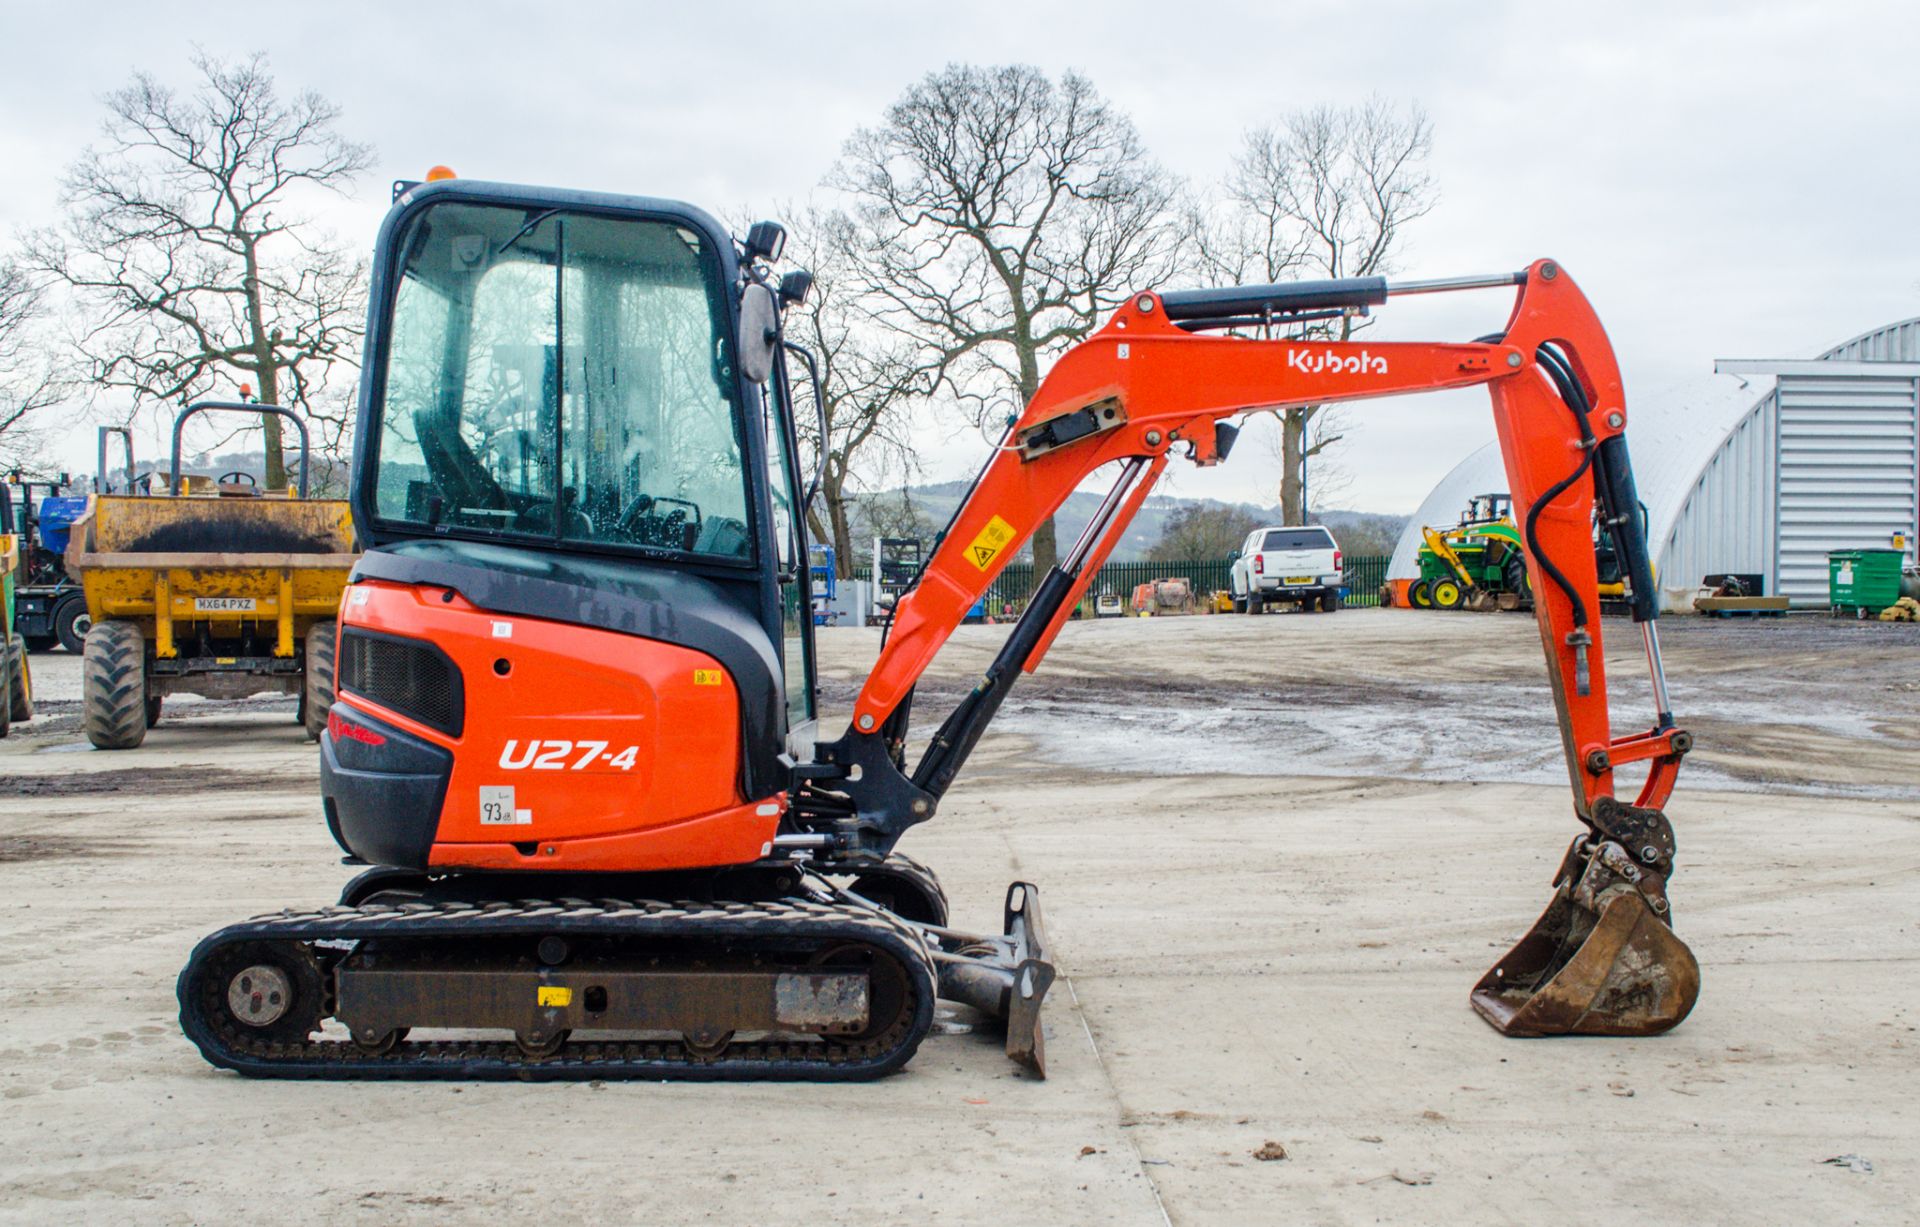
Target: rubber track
227,1044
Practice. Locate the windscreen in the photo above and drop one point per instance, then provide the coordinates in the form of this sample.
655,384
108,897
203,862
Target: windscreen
561,376
1298,539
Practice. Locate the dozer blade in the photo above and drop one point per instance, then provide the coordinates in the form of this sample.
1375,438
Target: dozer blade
1622,972
1026,1043
1005,977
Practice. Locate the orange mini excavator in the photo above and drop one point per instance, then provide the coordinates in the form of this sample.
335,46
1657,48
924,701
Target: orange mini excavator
574,741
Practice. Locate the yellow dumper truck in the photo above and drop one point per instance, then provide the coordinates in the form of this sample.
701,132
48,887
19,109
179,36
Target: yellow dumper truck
216,588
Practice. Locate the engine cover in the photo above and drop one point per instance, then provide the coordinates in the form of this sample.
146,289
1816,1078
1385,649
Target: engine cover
570,747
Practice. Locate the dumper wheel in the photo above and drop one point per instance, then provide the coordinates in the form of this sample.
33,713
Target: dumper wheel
71,622
316,697
19,682
153,711
113,685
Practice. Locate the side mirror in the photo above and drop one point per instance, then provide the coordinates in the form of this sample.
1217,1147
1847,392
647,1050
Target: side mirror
759,331
765,241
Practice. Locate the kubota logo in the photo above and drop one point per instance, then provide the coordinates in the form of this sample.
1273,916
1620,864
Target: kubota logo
1314,361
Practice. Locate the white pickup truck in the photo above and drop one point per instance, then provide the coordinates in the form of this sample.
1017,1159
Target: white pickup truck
1300,564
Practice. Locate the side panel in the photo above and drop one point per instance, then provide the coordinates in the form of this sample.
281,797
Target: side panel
1849,454
568,733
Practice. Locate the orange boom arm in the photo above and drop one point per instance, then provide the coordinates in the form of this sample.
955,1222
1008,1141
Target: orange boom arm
1151,383
1144,386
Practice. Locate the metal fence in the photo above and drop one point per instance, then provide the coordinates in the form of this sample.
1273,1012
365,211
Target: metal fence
1014,585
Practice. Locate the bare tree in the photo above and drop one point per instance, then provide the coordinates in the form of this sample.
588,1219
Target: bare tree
1324,478
1203,530
28,385
998,217
186,252
1327,194
894,512
869,376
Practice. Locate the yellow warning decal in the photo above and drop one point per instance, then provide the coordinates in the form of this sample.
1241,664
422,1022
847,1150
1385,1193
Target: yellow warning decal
706,677
992,539
553,994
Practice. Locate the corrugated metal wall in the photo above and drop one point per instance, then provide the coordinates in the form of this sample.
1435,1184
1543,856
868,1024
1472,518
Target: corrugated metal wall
1895,343
1848,460
1822,462
1734,485
1725,524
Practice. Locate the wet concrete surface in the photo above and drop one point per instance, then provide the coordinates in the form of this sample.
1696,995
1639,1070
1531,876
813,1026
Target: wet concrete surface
1275,854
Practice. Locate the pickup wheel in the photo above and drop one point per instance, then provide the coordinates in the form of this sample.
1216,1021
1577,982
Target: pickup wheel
1330,602
1255,604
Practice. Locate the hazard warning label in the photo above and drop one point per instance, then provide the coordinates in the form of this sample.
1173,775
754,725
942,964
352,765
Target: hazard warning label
992,539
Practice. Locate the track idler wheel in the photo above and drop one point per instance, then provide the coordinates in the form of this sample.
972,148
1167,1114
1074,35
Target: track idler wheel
1601,960
267,990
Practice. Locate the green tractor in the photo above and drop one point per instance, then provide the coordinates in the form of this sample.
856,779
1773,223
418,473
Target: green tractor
1478,564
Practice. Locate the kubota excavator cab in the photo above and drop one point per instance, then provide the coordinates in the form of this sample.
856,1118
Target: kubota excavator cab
581,440
575,687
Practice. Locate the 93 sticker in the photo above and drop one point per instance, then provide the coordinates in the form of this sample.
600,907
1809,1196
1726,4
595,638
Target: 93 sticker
564,756
498,810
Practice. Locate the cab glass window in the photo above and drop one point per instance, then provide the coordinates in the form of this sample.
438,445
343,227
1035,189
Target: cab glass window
564,376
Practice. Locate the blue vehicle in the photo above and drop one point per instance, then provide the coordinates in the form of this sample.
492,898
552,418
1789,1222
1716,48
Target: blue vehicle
826,584
48,606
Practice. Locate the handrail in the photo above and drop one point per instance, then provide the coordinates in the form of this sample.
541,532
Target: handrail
180,424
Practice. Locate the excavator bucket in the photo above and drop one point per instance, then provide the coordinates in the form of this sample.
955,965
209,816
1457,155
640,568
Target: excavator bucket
1617,971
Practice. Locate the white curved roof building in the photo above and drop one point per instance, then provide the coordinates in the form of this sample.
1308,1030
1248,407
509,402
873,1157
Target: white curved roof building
1743,478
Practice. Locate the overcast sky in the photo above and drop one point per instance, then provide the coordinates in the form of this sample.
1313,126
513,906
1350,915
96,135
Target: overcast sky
1734,180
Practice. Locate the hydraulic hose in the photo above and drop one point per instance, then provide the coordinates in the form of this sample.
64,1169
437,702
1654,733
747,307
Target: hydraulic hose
1575,399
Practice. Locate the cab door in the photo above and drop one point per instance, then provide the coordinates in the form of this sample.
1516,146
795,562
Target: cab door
790,562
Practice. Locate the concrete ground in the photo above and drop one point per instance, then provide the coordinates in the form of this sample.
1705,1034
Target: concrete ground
1275,854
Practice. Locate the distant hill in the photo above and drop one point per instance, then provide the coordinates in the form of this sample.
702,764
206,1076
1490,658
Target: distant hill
1359,532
